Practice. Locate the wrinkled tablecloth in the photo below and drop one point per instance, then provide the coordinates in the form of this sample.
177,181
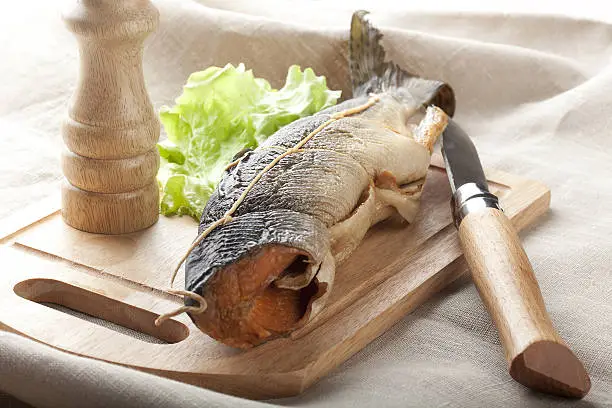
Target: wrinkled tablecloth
535,92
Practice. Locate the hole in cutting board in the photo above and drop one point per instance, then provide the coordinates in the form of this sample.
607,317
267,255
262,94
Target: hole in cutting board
105,323
99,309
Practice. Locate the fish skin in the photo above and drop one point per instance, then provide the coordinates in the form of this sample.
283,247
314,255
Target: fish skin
324,183
248,232
323,198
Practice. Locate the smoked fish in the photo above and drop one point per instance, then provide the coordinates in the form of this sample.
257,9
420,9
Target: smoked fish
286,214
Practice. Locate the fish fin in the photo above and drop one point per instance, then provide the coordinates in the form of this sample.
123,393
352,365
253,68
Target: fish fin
346,235
370,73
431,127
406,205
404,199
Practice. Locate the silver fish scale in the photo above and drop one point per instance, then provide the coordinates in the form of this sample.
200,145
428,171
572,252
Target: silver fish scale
293,133
233,183
341,107
320,183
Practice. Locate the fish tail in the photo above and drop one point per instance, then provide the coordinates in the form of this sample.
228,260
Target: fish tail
370,73
366,56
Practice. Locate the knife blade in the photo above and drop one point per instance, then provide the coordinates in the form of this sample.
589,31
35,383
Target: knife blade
537,356
465,173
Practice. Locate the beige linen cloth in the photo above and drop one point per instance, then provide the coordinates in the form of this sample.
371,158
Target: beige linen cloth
535,93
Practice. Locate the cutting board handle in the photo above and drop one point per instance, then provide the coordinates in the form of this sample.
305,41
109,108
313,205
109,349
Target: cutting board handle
537,356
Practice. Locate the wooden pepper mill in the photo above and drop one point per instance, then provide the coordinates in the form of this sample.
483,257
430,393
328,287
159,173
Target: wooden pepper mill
112,128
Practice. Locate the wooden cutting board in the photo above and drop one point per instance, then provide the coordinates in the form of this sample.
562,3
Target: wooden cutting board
122,279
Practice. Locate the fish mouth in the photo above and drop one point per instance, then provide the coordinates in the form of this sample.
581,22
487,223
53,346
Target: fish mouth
265,295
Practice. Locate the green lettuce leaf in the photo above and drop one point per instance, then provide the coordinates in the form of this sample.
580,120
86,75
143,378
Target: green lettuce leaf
221,112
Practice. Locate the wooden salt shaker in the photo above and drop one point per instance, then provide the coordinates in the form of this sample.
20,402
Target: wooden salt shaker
112,128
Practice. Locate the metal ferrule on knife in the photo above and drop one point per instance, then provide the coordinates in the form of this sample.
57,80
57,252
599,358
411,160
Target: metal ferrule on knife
470,198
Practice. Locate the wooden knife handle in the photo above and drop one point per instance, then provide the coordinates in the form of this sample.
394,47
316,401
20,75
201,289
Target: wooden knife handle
538,358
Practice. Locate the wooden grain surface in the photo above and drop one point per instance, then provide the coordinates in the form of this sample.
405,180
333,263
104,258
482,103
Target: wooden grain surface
536,355
123,279
112,128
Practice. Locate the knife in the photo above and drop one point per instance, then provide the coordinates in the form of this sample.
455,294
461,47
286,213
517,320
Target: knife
537,356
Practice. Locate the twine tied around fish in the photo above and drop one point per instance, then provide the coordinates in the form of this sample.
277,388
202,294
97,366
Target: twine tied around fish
227,218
